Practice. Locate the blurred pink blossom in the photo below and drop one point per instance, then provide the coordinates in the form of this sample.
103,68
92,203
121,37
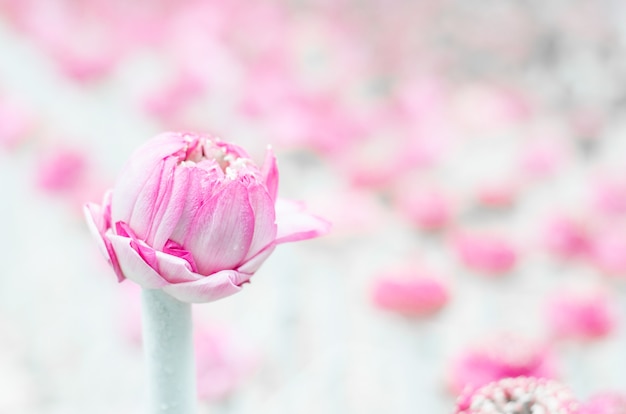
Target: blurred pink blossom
585,315
608,250
542,157
498,194
609,195
15,123
427,209
410,292
62,170
566,237
500,356
491,254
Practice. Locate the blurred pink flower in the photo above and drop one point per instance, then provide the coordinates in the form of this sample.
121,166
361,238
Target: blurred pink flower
519,395
542,158
498,357
168,101
605,403
608,250
194,216
585,315
428,210
566,237
488,253
224,361
61,170
15,123
410,293
609,196
499,194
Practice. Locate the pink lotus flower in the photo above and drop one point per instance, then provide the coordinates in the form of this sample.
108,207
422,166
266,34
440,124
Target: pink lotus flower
608,251
409,293
429,210
487,253
194,216
61,170
498,357
584,315
566,237
518,396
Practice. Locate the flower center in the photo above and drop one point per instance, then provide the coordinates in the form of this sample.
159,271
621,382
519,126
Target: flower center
200,149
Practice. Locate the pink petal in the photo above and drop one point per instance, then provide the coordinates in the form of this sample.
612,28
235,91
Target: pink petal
175,269
264,220
270,173
150,197
133,266
222,230
98,223
253,264
190,204
170,209
139,170
216,286
294,223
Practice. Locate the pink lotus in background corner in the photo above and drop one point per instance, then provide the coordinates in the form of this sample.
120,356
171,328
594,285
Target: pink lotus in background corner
195,217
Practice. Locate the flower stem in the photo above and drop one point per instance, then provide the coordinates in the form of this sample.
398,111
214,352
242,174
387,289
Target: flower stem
169,355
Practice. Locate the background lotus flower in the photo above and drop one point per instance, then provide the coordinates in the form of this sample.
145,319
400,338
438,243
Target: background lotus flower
194,216
519,395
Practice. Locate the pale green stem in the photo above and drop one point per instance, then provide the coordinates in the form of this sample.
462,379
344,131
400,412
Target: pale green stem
169,355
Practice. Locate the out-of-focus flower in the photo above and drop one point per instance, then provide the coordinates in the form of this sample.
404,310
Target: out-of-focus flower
428,210
609,196
542,158
224,361
498,357
604,403
585,315
15,123
61,170
499,194
409,292
566,237
194,216
487,253
608,251
167,102
519,395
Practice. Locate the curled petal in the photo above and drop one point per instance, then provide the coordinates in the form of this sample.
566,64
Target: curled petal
132,265
264,220
175,269
207,289
270,173
98,222
294,223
